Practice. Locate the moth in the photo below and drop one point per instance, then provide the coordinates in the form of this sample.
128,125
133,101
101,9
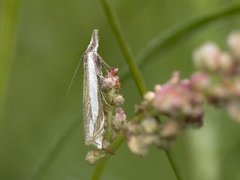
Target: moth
93,113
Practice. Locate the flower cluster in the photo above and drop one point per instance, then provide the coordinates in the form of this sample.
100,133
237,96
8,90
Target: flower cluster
223,69
178,104
115,118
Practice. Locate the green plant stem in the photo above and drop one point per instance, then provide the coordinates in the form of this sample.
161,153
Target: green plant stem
134,70
173,165
109,114
180,31
137,78
8,24
98,170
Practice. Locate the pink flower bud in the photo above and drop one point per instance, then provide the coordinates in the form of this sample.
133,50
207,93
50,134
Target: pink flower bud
113,71
170,129
111,80
167,99
200,81
175,78
119,121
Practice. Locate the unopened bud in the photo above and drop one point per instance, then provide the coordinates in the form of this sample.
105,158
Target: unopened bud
233,42
207,57
170,130
149,96
93,156
118,100
175,78
200,81
133,128
119,121
136,146
225,63
158,87
110,82
150,125
113,71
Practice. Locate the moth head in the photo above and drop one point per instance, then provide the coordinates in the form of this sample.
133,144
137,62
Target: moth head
93,46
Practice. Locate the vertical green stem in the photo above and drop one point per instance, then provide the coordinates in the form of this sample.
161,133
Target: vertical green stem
98,170
96,175
173,165
134,70
109,123
8,23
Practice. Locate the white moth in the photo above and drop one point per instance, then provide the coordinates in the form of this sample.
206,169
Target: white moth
94,118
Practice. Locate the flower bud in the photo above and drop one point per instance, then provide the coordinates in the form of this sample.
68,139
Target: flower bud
149,96
207,56
167,99
136,145
233,42
170,130
140,144
200,81
225,63
110,82
133,128
93,156
157,87
118,100
150,125
119,121
175,78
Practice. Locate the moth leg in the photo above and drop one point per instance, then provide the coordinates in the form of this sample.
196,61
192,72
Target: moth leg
92,142
106,66
105,101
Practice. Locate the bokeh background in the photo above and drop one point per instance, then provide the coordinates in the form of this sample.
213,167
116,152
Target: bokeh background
43,43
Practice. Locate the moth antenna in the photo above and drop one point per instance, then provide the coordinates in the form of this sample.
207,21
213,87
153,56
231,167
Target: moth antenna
74,76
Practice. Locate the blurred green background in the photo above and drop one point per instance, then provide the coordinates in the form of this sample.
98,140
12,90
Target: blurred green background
41,44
